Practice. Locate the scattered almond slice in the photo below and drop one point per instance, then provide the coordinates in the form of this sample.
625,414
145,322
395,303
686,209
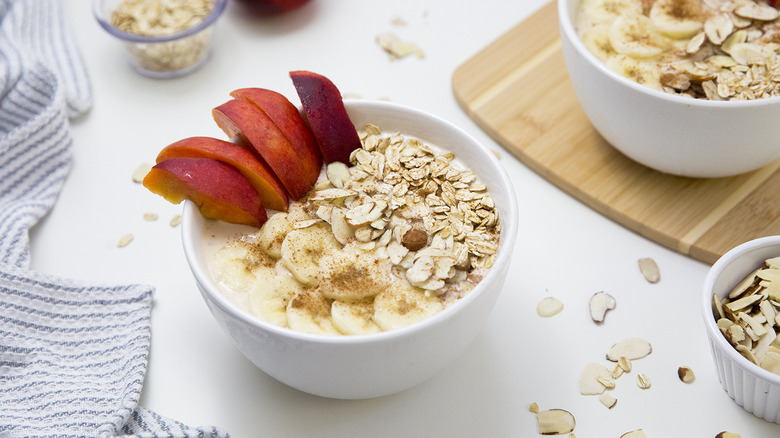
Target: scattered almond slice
649,269
150,216
600,303
141,171
555,422
630,348
533,408
608,400
589,380
396,48
175,220
685,374
548,307
639,433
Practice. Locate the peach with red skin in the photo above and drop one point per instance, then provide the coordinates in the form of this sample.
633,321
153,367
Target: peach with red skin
329,121
273,7
287,118
219,190
254,170
250,123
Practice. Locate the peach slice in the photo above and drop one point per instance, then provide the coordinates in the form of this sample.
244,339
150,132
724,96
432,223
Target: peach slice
219,190
251,124
329,121
254,170
286,116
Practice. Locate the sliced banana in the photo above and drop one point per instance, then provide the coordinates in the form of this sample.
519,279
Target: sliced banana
272,234
403,305
642,72
269,296
606,11
678,19
302,250
238,264
596,39
354,318
309,312
353,274
637,37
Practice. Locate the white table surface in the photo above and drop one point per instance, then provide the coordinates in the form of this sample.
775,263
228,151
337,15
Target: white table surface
564,249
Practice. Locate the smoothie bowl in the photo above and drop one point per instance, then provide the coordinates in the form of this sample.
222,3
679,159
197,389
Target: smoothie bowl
683,87
294,339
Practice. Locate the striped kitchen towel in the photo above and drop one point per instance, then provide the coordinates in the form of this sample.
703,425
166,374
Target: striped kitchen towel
73,355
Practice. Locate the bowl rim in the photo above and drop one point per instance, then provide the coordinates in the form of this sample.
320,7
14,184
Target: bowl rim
567,31
102,19
504,255
709,319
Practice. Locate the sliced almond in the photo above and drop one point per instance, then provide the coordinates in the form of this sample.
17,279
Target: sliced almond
630,348
342,231
771,362
757,11
649,269
725,434
685,374
608,400
718,27
175,220
338,174
743,285
600,303
549,306
534,408
555,422
306,223
141,171
589,380
639,433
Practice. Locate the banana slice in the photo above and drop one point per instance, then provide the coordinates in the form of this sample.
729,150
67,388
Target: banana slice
354,318
269,296
353,274
309,312
238,264
272,234
642,72
637,37
302,249
678,19
596,39
606,11
403,305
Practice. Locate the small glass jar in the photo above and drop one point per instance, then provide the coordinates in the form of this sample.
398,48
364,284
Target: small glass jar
163,55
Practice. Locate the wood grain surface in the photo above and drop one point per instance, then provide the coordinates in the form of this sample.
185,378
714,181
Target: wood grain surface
518,91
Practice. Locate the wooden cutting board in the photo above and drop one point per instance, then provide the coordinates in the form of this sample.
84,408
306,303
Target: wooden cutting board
517,90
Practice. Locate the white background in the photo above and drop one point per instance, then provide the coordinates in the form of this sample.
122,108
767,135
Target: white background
564,249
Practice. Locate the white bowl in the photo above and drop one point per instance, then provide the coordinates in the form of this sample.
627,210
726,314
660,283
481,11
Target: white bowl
752,387
672,134
353,367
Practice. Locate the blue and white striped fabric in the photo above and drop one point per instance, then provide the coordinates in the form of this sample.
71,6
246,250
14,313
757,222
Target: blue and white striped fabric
72,355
